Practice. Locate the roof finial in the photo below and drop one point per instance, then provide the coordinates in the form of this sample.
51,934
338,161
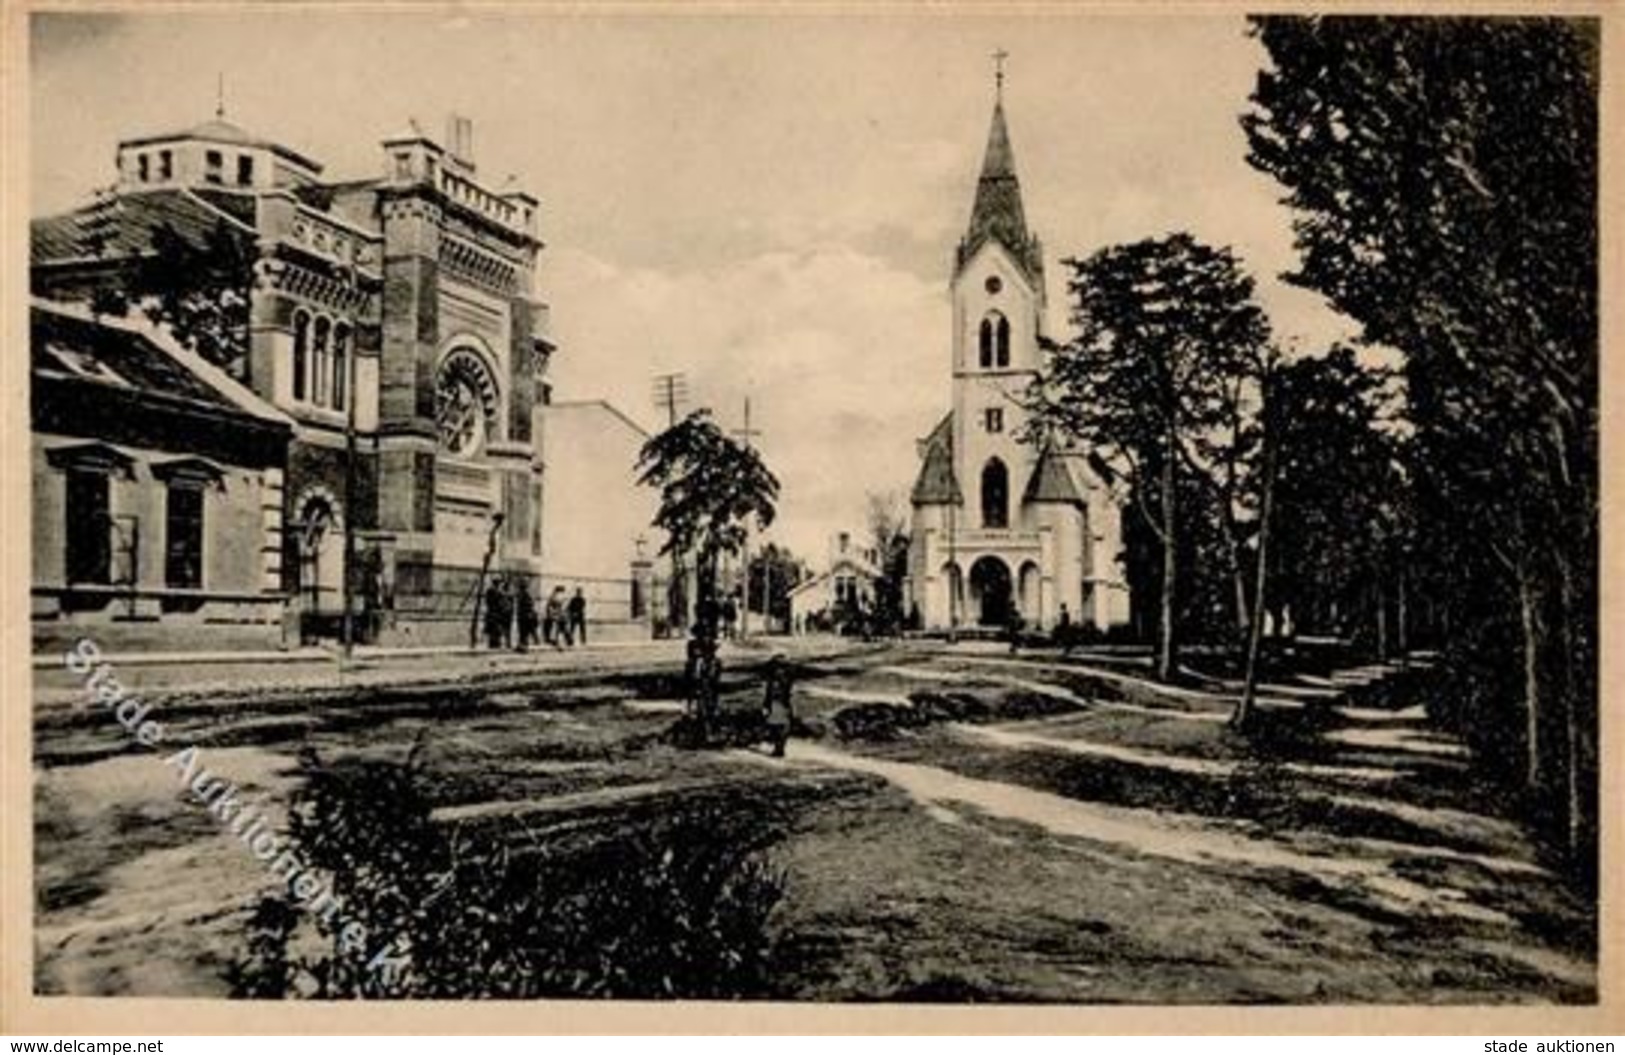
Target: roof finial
220,96
998,73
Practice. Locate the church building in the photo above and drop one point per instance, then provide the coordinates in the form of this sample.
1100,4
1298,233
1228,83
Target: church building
389,322
1002,520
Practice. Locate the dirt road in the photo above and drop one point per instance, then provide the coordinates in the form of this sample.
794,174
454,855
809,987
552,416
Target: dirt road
958,824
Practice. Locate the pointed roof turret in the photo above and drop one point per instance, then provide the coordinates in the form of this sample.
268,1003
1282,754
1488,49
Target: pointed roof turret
1052,481
936,484
997,214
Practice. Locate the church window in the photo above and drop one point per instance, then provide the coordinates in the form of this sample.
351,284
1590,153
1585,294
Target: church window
319,362
993,343
341,364
995,495
993,285
141,163
301,353
245,169
214,166
465,405
166,164
993,418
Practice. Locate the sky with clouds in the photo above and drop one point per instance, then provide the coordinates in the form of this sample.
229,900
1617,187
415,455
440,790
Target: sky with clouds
767,204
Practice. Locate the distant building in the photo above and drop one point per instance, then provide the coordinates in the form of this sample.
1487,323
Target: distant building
597,523
844,587
157,488
999,521
392,315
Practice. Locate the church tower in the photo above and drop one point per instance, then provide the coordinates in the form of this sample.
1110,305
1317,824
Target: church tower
1001,521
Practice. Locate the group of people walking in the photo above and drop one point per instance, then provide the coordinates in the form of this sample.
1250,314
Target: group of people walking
512,619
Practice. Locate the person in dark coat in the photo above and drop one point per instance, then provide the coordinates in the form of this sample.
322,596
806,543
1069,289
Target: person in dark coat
525,609
1063,630
776,709
496,614
1012,626
576,615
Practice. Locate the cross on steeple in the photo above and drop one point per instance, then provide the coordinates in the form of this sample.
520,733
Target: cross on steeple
998,72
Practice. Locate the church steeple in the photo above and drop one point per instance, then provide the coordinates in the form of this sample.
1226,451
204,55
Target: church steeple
997,213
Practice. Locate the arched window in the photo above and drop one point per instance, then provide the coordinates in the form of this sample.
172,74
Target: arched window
319,372
301,353
341,364
995,495
993,342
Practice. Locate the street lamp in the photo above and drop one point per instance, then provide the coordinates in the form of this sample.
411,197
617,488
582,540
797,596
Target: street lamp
479,586
350,401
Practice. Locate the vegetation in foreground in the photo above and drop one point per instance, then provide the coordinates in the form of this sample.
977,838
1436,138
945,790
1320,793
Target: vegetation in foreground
675,910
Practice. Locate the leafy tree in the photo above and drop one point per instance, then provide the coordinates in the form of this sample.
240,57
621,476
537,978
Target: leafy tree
1340,494
1444,174
888,534
1167,336
710,485
774,572
199,291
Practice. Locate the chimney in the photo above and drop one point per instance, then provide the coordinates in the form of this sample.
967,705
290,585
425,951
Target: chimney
460,140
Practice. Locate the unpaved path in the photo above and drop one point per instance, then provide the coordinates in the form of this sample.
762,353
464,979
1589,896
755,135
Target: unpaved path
1180,837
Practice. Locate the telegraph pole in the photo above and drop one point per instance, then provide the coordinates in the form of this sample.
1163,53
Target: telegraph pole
670,390
747,436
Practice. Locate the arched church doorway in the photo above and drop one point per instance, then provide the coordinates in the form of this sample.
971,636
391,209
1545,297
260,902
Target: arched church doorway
321,555
990,591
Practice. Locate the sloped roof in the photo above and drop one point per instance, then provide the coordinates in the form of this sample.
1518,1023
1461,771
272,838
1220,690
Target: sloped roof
123,226
845,563
936,484
997,215
601,406
68,343
1052,480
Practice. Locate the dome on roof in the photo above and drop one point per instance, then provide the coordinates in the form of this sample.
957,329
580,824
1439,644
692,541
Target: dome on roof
219,130
222,130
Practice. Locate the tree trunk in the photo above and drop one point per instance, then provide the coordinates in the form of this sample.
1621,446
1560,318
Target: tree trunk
1238,579
1573,690
1166,644
1382,624
1244,709
1530,619
1400,627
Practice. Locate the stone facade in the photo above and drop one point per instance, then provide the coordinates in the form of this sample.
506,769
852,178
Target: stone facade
393,319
